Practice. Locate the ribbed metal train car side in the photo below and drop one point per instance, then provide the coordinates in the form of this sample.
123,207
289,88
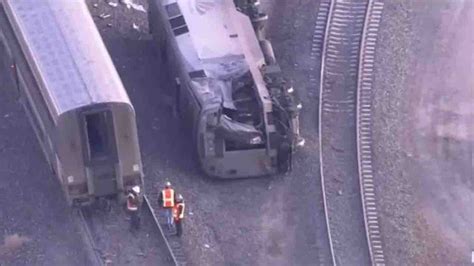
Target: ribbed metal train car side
89,139
189,106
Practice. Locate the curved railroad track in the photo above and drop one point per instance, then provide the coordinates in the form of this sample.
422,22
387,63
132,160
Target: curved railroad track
111,243
345,134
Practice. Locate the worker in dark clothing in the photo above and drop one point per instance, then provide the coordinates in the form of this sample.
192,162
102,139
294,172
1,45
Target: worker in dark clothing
284,156
167,201
178,215
133,206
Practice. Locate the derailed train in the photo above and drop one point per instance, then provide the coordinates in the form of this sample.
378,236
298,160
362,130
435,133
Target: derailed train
229,91
53,55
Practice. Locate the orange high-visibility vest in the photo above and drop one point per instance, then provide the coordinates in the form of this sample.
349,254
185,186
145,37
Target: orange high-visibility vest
178,211
131,203
168,197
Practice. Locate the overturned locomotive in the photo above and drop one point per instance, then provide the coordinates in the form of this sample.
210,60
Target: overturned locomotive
229,90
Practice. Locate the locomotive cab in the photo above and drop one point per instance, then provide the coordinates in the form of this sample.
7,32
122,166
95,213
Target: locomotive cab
236,138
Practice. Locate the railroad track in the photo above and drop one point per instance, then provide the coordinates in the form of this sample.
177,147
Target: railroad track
173,243
364,130
317,42
110,242
345,133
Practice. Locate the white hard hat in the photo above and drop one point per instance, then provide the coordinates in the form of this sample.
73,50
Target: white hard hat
136,189
168,184
180,198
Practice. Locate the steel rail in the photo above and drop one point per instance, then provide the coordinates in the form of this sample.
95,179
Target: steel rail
91,247
173,243
346,64
323,56
157,224
364,130
149,223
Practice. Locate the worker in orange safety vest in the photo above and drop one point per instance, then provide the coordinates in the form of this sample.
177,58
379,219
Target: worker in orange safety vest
178,215
133,204
166,200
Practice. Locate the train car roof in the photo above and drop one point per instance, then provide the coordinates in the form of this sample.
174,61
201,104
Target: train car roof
66,53
220,40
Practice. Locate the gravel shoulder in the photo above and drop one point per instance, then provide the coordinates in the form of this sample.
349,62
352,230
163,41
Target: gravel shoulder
423,132
272,220
422,150
265,221
32,203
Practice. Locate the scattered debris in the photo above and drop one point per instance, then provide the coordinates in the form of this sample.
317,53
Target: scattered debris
95,5
6,116
141,254
12,243
191,213
135,27
339,192
206,246
131,4
106,256
337,149
104,16
112,4
109,24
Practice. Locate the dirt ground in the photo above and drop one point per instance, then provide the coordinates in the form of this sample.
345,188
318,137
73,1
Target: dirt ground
267,221
423,150
260,221
36,225
423,131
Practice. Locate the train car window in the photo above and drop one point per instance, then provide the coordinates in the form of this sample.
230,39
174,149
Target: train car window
180,31
96,124
176,19
173,10
197,74
177,22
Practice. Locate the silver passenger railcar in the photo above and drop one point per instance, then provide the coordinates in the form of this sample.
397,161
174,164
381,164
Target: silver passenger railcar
229,89
53,55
